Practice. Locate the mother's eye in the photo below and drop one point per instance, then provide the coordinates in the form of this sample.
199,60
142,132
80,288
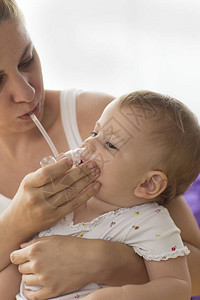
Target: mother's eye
2,79
26,63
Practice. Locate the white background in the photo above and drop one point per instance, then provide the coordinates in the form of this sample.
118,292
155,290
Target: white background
118,46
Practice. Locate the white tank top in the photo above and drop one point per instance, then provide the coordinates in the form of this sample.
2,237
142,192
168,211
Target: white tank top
69,118
69,121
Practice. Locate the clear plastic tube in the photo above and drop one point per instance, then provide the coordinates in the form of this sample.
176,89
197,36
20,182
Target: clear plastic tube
44,133
76,156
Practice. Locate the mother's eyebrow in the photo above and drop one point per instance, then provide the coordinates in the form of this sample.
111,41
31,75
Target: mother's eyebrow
28,46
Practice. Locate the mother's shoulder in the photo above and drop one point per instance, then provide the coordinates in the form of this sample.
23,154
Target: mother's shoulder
90,106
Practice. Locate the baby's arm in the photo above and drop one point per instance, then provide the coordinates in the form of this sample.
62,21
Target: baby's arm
9,282
168,280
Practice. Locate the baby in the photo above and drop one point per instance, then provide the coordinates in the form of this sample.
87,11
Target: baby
148,149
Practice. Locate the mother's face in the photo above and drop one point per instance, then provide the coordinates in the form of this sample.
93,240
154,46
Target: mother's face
21,83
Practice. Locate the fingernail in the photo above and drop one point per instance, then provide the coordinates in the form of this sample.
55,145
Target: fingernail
97,185
91,164
67,160
12,257
95,172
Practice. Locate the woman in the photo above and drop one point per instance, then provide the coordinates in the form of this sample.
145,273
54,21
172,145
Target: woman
33,207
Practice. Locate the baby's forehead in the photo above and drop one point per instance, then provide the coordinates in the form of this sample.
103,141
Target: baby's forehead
133,114
118,122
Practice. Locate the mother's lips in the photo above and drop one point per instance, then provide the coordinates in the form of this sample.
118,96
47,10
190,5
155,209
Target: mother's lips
32,110
35,110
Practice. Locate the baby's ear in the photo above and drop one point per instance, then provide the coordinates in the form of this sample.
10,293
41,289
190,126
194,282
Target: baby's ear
153,185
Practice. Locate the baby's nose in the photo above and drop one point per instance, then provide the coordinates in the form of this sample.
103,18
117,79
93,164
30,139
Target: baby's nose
90,145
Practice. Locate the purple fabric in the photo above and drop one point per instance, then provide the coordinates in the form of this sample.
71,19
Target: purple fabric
192,196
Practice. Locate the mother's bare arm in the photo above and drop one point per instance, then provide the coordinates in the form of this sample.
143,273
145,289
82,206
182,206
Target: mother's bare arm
119,265
190,233
9,282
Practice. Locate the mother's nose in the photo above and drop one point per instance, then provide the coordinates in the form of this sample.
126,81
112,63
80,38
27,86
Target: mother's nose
21,89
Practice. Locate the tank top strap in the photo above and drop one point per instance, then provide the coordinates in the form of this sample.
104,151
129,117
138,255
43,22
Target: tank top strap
69,117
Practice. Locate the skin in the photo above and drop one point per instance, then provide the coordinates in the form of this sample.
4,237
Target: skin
21,149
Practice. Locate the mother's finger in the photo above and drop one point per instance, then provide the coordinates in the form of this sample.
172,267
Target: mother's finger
20,256
84,174
47,174
81,198
30,279
25,268
40,294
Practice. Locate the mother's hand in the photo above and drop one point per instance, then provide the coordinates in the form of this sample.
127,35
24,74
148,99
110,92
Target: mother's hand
48,194
57,263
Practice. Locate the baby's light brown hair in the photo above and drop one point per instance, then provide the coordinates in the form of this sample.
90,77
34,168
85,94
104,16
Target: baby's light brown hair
175,130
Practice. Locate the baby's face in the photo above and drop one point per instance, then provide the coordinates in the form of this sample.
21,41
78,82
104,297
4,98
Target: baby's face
120,150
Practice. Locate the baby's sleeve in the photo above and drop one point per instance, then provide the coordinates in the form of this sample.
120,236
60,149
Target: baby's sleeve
155,236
